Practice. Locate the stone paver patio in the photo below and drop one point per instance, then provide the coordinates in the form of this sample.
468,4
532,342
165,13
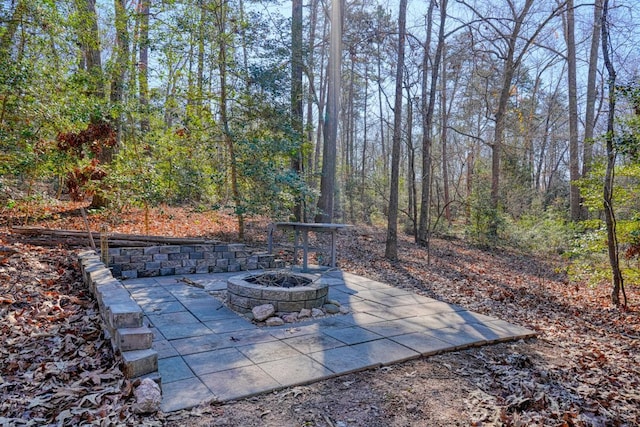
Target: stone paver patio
207,352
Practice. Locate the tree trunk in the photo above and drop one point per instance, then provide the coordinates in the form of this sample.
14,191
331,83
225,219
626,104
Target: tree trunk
609,213
428,108
89,40
391,249
143,65
330,134
444,114
590,103
296,100
224,116
574,161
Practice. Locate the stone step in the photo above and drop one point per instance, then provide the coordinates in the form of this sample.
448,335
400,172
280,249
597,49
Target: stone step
129,339
139,362
125,314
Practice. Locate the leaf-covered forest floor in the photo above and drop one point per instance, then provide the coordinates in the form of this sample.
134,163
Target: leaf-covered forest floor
582,370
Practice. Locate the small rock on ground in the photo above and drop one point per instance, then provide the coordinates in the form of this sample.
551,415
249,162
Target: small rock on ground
148,397
274,321
331,308
263,312
316,312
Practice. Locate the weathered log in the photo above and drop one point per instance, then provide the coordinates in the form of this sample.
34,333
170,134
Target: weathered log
52,236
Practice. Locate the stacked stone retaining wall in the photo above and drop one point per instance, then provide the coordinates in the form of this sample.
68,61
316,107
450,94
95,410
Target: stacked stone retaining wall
169,260
122,318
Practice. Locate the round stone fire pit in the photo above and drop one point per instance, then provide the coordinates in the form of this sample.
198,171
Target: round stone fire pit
287,291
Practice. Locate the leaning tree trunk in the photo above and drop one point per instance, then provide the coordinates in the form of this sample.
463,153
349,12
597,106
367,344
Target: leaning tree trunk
391,249
609,213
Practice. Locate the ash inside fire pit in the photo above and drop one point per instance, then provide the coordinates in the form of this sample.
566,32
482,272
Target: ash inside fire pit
286,290
279,279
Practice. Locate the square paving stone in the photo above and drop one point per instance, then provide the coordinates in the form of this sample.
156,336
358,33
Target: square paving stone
233,324
367,306
460,336
422,342
395,292
343,360
214,285
343,289
176,331
296,370
386,314
164,349
311,343
361,319
436,321
173,369
392,328
374,297
148,296
184,394
401,300
248,336
174,318
295,330
506,331
216,360
200,344
240,382
161,307
384,352
214,311
141,283
369,284
268,351
353,335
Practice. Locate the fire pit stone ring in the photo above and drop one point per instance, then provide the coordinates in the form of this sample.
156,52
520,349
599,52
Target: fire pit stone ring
288,292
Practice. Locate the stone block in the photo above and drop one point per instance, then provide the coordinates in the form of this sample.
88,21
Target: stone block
151,250
131,251
288,307
189,262
187,249
129,274
93,265
161,257
169,249
221,248
153,265
185,270
124,315
167,271
116,270
236,247
97,275
149,272
204,248
121,259
128,339
229,255
276,294
141,258
233,267
114,252
202,269
196,255
139,362
178,256
223,263
170,264
211,255
133,266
